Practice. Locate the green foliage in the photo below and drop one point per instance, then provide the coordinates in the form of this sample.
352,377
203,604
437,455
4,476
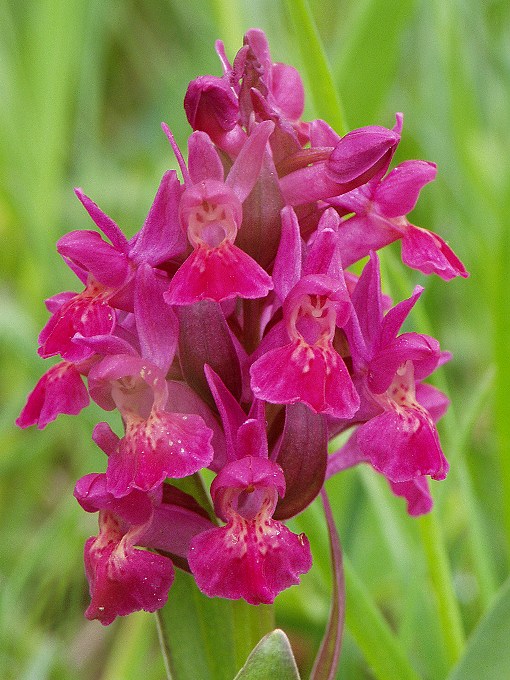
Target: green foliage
85,84
209,638
271,658
487,653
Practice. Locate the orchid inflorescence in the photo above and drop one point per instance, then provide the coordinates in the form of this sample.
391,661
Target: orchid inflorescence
229,335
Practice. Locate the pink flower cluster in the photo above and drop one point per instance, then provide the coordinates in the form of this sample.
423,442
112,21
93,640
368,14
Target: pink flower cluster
229,335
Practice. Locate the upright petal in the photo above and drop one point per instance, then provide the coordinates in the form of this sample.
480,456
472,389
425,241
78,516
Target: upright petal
161,237
105,223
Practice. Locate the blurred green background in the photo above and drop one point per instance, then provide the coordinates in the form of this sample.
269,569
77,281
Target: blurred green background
84,85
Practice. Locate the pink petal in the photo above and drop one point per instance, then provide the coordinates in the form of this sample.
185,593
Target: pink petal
417,494
123,580
361,151
217,274
105,223
211,106
88,251
433,400
156,323
203,159
91,493
363,233
298,372
59,390
161,237
402,444
165,445
84,314
246,169
427,252
398,193
248,559
287,265
322,134
287,90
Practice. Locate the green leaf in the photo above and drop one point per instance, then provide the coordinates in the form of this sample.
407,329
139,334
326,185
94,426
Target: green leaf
271,658
487,657
208,638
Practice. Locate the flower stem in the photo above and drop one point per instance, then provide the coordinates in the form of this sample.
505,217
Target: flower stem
325,95
163,643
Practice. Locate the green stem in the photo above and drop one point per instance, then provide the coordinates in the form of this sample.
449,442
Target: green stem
163,643
440,574
325,95
381,648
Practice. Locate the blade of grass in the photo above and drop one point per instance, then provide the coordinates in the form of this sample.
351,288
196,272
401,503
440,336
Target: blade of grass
325,95
371,632
229,22
369,54
441,577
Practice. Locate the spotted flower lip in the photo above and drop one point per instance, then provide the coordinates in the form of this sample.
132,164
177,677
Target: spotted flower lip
60,390
253,556
157,443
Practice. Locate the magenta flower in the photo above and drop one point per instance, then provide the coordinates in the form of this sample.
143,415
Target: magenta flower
399,437
380,209
210,213
229,334
157,443
122,577
254,556
298,361
415,491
